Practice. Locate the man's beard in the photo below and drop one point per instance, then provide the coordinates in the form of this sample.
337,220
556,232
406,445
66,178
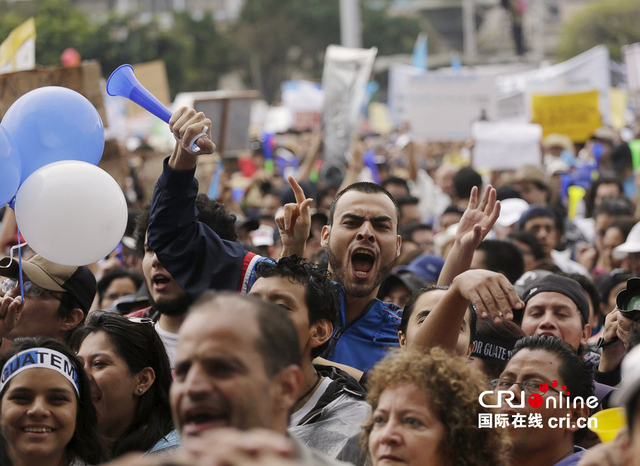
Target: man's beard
357,291
172,307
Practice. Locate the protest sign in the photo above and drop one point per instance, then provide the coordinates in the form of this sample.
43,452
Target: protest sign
443,107
84,79
229,112
584,72
344,80
505,145
576,115
18,50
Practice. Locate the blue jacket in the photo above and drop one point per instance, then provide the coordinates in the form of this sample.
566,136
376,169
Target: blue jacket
198,259
366,340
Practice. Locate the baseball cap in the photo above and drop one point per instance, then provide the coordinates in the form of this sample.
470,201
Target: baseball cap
511,210
78,281
427,267
536,211
408,279
263,236
632,244
568,287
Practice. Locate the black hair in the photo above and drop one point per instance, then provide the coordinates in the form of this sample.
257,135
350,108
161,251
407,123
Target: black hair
86,443
530,240
321,294
411,304
504,257
407,200
614,207
606,178
104,283
210,212
140,346
573,371
278,343
453,209
407,231
367,188
624,224
396,181
465,180
506,332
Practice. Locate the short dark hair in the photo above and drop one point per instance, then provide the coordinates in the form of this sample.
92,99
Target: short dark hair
411,304
605,178
396,181
321,294
614,207
86,443
367,188
140,346
465,180
407,231
210,212
530,240
506,333
504,257
573,370
278,342
111,275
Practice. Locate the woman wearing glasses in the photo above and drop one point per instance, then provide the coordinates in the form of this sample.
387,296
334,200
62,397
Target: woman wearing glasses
48,418
130,377
426,410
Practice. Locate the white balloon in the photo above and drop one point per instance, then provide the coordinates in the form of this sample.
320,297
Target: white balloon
71,212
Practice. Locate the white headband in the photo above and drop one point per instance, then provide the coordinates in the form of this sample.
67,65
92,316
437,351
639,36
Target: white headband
39,358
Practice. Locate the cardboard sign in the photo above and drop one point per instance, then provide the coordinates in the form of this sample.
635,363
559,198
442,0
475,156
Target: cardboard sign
576,115
84,79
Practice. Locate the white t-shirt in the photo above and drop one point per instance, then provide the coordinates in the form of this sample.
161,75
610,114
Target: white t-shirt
170,341
309,405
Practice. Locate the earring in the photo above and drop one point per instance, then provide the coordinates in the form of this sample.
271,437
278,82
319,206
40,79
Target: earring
140,390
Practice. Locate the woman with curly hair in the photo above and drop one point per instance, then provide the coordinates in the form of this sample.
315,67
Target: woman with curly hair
425,412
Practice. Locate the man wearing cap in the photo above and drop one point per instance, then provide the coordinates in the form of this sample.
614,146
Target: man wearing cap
557,306
57,298
533,184
631,250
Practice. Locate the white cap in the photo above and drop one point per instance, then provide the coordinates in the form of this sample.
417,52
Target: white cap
511,210
632,244
263,236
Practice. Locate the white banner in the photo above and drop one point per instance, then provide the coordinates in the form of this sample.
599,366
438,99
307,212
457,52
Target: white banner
584,72
344,80
632,62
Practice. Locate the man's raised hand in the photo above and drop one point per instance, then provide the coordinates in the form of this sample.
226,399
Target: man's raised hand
294,221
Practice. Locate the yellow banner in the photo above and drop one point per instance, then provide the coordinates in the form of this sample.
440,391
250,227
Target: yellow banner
576,115
18,50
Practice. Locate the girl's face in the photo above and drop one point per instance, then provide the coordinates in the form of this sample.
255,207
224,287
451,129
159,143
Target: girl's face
113,387
38,416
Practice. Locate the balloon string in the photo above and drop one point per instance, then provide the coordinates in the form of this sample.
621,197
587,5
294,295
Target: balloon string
20,266
19,248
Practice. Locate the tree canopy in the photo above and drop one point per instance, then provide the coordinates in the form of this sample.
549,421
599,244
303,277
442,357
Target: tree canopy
613,23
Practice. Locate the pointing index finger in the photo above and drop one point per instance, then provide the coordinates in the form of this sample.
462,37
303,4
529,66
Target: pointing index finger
297,190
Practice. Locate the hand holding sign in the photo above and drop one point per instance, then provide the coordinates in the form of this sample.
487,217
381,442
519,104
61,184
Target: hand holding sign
294,221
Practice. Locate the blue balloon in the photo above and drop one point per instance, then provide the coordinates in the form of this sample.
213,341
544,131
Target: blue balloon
9,168
51,124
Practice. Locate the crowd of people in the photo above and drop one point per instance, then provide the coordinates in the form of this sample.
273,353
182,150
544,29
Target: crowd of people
396,311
